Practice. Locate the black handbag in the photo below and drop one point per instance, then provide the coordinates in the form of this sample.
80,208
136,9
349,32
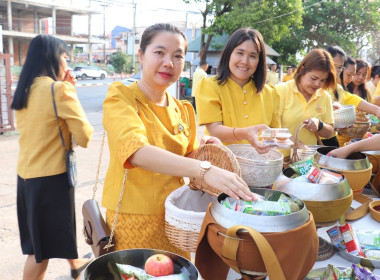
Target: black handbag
70,158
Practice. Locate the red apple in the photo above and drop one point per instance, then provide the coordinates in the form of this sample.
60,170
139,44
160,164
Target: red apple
159,265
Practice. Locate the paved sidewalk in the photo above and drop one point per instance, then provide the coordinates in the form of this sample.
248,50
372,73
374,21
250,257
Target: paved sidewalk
11,258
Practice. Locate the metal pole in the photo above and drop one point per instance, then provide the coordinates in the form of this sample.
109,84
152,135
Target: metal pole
133,34
104,34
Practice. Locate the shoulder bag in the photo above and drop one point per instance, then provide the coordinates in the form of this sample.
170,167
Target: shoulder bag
95,230
71,162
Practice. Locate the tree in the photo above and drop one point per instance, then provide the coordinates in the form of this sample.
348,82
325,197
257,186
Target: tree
271,17
346,23
120,62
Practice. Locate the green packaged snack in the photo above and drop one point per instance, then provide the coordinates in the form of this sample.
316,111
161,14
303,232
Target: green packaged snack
267,208
334,273
303,166
294,207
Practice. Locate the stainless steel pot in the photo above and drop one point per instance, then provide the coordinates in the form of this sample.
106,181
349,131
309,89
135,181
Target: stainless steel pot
228,218
310,191
356,161
99,268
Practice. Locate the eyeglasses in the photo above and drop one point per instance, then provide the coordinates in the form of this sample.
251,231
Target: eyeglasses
340,68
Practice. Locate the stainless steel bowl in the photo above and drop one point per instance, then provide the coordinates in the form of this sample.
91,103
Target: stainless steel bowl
303,153
355,161
228,218
99,268
345,116
258,170
310,191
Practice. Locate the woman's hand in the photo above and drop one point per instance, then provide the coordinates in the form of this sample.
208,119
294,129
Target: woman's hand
311,124
252,137
69,77
336,105
209,140
342,152
228,183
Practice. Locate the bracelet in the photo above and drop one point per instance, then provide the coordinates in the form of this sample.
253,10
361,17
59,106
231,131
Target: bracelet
233,133
320,125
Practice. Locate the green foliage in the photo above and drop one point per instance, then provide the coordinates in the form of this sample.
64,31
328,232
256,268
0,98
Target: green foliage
346,23
120,62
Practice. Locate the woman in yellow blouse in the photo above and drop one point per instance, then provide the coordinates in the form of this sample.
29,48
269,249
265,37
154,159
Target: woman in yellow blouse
236,104
304,99
154,136
345,68
45,201
357,85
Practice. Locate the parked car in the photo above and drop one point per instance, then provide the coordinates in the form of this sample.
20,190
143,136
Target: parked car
132,79
85,72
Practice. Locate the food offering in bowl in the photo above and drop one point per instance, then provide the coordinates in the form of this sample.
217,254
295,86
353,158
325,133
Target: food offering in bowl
141,264
374,208
278,137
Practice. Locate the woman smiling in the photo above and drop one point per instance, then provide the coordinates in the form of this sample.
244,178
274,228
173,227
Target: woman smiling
236,104
304,99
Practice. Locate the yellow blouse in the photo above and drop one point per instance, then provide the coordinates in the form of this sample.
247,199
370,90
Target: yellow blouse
132,122
345,98
294,109
235,106
41,151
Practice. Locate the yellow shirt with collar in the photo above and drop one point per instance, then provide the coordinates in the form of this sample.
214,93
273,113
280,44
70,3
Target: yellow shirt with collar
272,78
198,75
294,109
345,97
377,91
132,122
235,106
41,150
287,77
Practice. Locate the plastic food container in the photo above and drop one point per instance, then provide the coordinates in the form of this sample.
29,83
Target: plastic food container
276,137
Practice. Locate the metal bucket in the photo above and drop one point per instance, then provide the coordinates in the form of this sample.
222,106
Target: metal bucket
228,218
99,268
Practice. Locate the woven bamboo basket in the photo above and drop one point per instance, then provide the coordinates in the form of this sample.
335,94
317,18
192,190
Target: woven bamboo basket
184,213
183,229
220,156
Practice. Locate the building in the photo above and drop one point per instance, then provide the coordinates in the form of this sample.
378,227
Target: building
23,20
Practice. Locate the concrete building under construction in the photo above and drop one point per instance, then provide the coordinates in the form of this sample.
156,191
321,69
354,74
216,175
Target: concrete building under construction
22,20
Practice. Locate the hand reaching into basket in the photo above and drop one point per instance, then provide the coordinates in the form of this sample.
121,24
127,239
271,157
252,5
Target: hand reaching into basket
229,183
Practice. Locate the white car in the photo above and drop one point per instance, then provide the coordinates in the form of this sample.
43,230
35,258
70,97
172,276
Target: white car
85,72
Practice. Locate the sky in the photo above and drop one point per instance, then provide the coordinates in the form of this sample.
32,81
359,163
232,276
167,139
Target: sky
147,12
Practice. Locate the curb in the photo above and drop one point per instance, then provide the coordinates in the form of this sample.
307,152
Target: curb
81,85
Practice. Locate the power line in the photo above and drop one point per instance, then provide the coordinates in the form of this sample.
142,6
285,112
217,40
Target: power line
292,12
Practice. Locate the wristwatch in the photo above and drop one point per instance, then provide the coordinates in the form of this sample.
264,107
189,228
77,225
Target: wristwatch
204,166
320,125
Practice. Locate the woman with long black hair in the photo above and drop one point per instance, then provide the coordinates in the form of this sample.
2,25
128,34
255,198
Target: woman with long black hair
45,200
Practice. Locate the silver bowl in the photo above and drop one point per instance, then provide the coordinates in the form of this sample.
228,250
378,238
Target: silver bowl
258,170
355,161
345,116
228,218
99,268
310,191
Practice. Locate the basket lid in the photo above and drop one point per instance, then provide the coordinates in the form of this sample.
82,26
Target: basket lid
218,155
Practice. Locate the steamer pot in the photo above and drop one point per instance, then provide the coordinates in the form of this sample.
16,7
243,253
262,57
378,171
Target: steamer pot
228,218
98,268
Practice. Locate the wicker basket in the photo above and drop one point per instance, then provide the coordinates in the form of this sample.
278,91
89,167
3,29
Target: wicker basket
184,213
258,170
220,156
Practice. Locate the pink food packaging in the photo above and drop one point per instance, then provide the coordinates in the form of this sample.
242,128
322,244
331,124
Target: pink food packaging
351,240
336,237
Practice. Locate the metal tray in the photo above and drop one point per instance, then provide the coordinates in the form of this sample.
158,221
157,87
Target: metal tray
358,260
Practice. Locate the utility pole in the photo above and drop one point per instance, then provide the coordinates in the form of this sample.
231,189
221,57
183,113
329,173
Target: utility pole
104,34
133,35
